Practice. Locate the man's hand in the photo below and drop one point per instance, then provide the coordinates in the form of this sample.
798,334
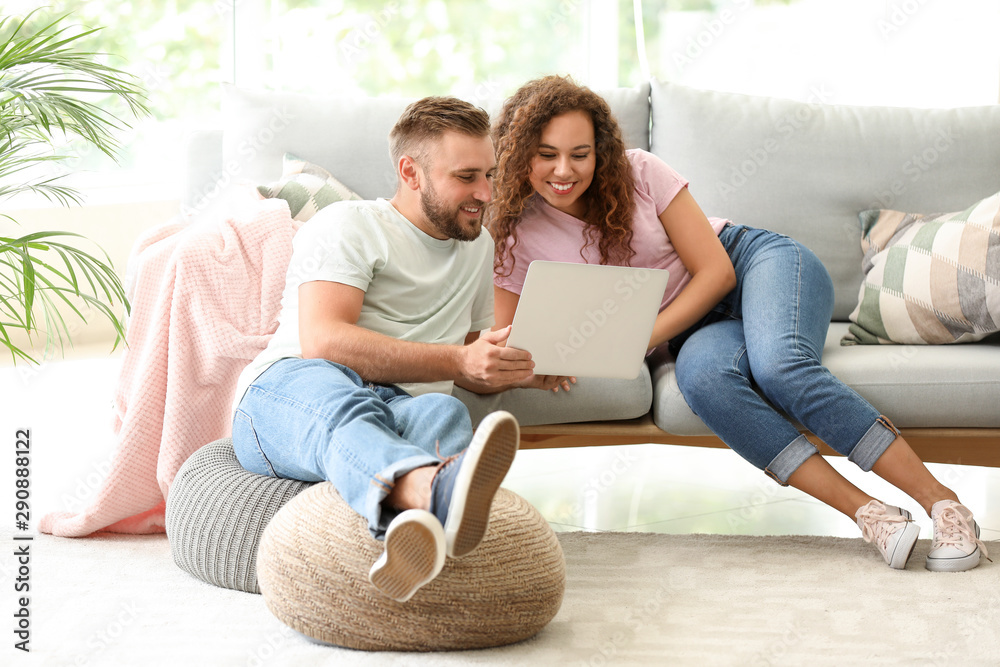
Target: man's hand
489,366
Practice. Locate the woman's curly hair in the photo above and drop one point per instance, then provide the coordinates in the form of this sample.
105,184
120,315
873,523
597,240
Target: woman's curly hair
609,200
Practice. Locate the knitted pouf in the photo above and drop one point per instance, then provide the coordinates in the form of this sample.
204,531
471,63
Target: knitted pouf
313,570
216,513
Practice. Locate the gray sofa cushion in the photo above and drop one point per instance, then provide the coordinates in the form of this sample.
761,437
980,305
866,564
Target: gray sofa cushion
348,136
807,170
934,386
590,399
631,108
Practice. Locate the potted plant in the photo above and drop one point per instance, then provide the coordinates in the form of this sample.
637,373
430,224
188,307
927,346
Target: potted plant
51,90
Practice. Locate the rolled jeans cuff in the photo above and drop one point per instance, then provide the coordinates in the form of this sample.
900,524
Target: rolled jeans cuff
873,443
791,457
379,516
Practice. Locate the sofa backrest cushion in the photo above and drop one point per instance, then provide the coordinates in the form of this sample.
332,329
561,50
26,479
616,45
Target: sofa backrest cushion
808,169
348,136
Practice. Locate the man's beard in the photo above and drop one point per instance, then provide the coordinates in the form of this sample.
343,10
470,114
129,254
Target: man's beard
446,220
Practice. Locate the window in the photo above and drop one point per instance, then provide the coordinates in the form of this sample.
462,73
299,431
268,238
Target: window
889,52
177,48
422,47
892,52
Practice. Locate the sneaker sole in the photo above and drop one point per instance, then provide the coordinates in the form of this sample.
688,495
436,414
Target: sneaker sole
955,564
490,456
414,555
904,546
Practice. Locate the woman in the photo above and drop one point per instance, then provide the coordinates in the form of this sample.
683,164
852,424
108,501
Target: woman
745,311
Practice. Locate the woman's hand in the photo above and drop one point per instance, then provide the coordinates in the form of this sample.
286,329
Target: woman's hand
551,383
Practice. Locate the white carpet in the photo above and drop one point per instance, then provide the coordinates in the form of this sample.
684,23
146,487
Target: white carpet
631,599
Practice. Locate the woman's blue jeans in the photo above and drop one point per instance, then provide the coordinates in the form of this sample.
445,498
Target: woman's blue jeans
316,420
755,361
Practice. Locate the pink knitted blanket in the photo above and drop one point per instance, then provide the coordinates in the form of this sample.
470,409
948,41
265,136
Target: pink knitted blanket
205,300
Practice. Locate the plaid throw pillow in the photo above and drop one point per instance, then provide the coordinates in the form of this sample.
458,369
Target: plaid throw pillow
929,279
306,187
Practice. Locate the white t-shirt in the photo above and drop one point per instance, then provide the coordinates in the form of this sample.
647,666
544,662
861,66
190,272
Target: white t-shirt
417,288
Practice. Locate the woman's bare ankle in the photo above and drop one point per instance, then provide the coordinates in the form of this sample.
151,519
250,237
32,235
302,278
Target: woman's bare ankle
931,496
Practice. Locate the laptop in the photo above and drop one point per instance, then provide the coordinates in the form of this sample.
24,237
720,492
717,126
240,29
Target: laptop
587,320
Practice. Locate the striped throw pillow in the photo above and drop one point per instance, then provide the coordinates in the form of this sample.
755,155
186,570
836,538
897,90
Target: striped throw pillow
306,187
929,279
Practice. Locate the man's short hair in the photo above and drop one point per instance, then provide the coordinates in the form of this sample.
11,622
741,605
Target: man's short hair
431,117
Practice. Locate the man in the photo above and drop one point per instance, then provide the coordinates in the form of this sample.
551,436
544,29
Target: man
381,314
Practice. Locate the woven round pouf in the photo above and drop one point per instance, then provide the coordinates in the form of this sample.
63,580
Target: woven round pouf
313,570
216,514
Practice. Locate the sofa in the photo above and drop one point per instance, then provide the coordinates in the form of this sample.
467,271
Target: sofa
805,169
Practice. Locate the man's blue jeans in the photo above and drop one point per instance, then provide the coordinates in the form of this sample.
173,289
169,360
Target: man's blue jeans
316,420
757,355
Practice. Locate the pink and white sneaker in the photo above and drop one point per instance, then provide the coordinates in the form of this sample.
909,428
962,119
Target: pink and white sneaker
956,546
891,529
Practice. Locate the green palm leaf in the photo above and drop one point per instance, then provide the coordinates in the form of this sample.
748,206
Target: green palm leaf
50,89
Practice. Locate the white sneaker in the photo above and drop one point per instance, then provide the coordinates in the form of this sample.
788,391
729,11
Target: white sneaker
891,529
413,556
956,546
464,485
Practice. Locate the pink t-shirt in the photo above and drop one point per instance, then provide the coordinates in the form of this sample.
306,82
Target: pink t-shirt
547,233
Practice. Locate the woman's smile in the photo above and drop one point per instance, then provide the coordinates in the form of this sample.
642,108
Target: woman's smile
563,168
